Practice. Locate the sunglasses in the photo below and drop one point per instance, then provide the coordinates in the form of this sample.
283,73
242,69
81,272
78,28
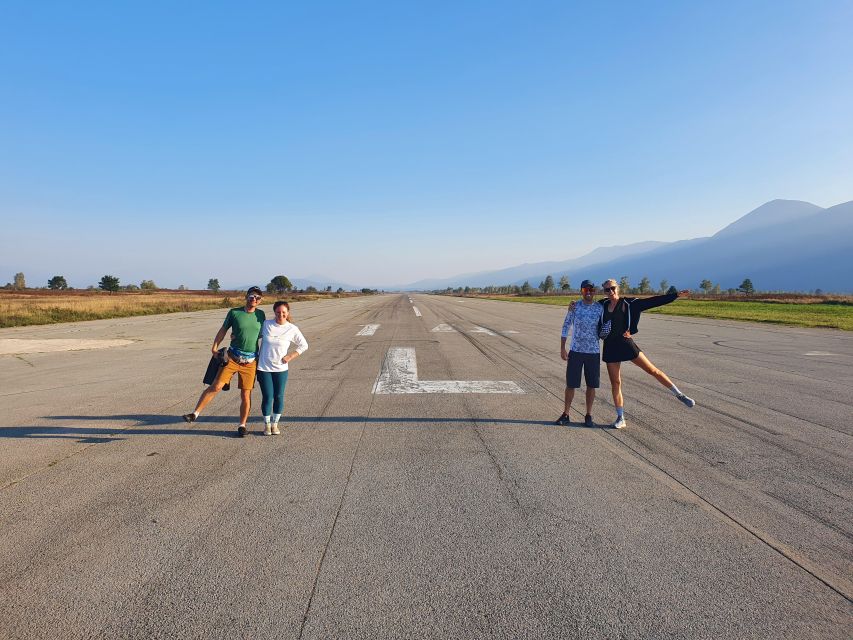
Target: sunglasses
253,297
609,289
588,289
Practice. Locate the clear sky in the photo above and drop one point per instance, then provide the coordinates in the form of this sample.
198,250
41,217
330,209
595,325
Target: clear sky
377,143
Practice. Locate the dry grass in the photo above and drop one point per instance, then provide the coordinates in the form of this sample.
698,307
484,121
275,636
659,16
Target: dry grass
39,306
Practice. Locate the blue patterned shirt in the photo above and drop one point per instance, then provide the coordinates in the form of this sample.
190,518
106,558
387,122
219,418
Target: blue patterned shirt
585,319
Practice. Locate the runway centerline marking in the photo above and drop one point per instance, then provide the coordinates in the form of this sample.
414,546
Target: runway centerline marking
443,328
369,330
819,353
417,311
399,374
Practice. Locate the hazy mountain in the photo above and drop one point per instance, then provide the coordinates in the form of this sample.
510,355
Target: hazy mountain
784,245
769,214
524,271
802,248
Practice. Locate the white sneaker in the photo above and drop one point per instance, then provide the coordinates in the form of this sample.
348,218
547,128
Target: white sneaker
620,423
267,430
275,430
688,402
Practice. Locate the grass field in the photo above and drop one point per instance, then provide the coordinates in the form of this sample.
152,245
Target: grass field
39,306
834,314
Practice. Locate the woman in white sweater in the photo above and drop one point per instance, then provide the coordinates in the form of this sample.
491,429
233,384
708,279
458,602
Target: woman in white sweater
276,338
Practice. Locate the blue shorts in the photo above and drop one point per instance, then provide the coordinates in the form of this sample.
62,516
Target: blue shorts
591,365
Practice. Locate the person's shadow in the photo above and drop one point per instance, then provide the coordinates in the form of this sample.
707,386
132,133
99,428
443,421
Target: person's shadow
158,424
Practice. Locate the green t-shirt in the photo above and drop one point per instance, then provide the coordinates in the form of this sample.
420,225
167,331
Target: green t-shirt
245,328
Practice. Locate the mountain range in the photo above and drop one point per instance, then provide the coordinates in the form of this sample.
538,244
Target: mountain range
783,245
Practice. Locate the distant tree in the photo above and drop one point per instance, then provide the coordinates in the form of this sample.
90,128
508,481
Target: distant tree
57,283
131,287
746,287
548,284
564,283
466,290
182,287
526,288
213,285
716,290
671,290
280,284
366,290
664,285
311,289
624,285
148,285
329,288
645,285
340,290
818,292
109,283
706,285
19,282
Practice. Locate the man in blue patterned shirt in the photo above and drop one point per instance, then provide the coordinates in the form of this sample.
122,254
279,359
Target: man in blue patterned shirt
584,353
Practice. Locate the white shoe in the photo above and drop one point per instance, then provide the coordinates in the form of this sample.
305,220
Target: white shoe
267,430
620,423
275,430
688,402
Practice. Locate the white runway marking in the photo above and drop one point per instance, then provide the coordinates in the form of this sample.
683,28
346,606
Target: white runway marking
417,311
819,353
478,329
369,330
506,333
400,375
9,346
443,328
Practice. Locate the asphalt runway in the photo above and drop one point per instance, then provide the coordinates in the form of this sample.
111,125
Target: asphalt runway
419,489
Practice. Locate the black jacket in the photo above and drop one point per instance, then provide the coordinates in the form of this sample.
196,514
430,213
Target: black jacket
213,368
633,307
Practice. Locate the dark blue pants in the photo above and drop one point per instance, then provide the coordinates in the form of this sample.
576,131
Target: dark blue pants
272,385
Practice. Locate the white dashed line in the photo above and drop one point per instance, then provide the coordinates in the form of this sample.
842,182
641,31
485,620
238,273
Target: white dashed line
478,329
369,330
417,311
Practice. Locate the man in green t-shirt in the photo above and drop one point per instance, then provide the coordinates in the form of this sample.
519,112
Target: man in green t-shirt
241,358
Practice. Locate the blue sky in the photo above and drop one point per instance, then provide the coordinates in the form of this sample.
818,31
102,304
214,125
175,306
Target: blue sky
378,143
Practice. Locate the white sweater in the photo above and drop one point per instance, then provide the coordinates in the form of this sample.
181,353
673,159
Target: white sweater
275,342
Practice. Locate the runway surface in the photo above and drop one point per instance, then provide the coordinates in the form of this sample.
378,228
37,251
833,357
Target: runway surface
419,489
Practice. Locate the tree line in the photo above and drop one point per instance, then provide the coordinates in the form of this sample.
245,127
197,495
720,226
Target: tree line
278,285
547,287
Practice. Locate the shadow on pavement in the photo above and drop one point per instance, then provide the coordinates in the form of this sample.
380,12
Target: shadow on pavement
158,424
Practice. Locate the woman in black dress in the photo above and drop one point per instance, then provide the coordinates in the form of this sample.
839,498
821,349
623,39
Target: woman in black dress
619,346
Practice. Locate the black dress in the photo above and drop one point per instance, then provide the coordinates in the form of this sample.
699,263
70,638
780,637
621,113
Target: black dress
626,315
618,348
